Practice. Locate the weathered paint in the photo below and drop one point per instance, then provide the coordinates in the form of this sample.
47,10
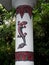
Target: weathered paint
24,50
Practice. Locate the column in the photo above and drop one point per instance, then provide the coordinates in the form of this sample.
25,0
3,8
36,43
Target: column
24,47
24,53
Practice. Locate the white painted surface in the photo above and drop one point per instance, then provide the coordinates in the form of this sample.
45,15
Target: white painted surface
16,3
24,63
28,30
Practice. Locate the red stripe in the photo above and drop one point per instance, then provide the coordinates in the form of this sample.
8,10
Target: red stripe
24,56
24,9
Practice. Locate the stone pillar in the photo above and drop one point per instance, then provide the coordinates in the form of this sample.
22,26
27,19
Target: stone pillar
24,48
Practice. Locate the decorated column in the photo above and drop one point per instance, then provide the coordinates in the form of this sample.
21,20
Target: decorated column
24,48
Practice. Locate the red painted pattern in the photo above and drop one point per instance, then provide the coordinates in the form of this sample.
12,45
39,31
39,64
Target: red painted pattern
24,9
24,56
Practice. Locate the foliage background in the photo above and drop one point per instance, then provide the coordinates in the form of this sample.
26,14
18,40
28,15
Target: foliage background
7,36
41,34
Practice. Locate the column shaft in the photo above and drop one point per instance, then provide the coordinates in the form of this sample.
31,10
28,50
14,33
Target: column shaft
24,51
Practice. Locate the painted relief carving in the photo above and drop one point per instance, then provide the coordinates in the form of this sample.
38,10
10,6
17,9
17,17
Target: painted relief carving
21,26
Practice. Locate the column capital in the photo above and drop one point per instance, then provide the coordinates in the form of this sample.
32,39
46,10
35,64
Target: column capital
16,3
